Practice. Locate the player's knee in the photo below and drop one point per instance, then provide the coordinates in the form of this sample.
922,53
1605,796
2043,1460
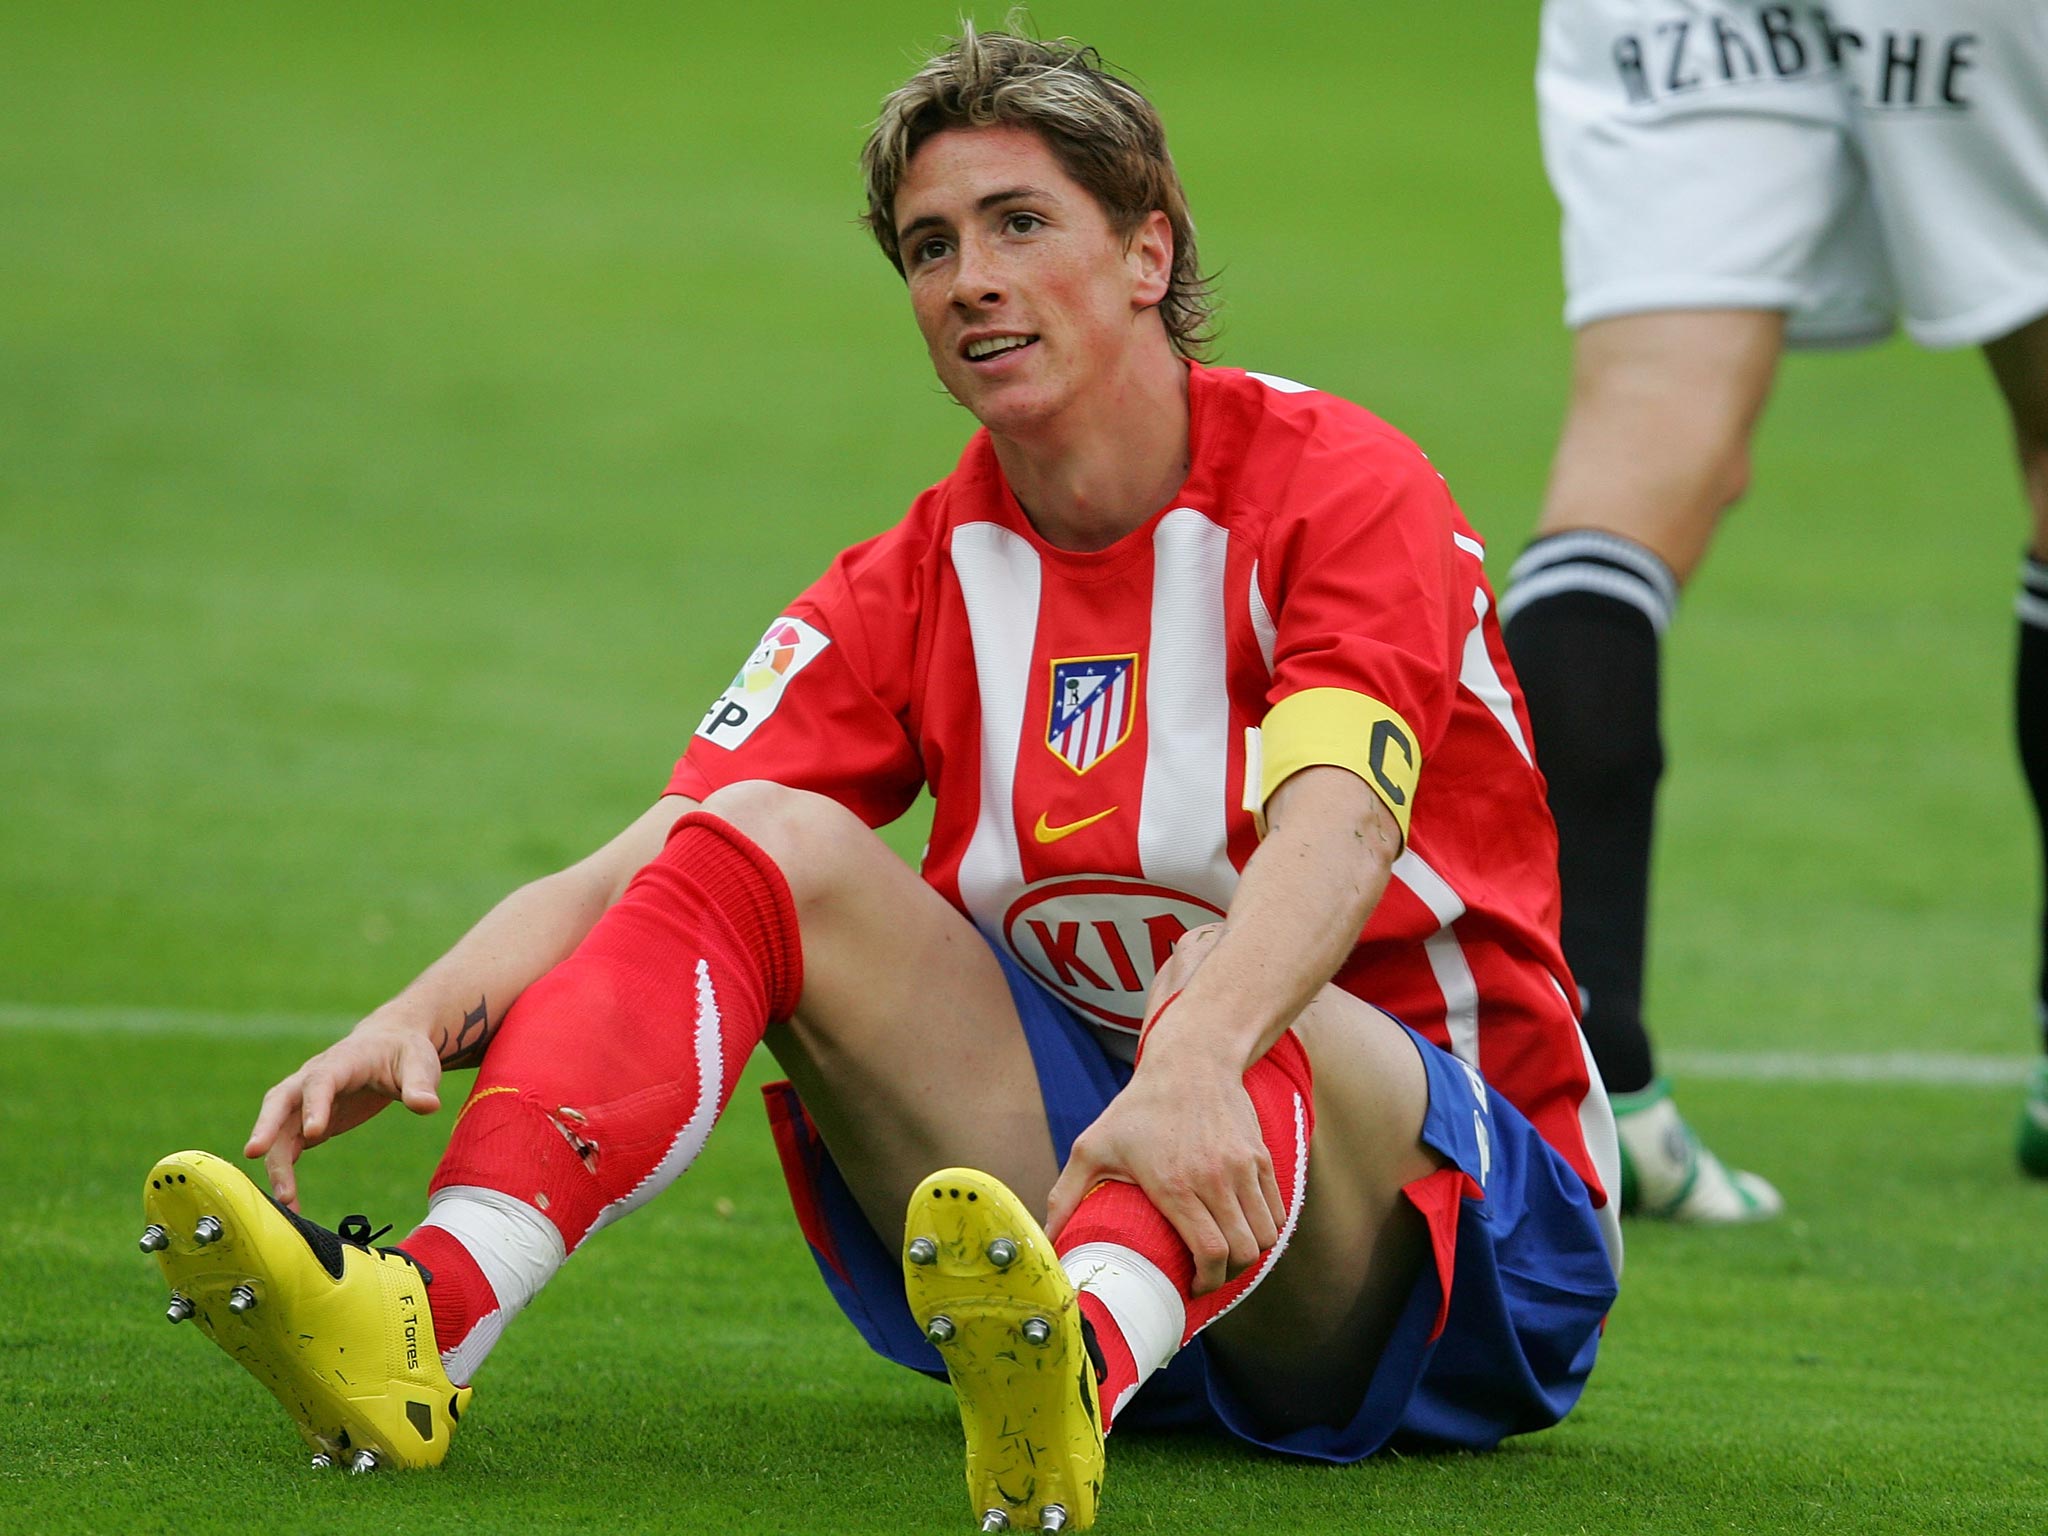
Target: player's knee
1655,453
1733,468
810,837
1709,470
2034,476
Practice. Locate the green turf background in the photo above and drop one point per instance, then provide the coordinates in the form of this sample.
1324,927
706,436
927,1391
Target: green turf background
410,414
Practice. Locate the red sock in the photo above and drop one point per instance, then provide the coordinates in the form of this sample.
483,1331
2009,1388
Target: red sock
458,1295
1135,1273
610,1070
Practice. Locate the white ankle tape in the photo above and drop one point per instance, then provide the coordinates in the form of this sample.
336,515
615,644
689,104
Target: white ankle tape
1147,1309
516,1247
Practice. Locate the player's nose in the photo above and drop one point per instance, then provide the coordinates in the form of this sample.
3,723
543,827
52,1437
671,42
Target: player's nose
978,281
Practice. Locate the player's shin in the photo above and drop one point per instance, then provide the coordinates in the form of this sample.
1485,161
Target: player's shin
2030,719
607,1077
1134,1274
2030,716
1583,620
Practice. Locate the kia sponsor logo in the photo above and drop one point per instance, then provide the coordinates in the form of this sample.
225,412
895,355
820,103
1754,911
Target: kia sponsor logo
1098,940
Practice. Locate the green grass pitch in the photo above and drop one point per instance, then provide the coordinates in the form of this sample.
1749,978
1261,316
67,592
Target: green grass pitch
410,414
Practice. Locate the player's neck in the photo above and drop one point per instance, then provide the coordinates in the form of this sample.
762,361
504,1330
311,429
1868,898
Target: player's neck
1090,477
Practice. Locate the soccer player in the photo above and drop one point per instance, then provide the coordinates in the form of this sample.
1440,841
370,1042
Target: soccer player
1735,178
1239,868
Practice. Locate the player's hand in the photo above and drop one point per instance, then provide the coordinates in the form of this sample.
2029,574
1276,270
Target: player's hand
338,1090
1186,1134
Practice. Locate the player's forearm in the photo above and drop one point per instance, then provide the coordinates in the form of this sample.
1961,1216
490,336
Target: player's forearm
459,1001
1303,898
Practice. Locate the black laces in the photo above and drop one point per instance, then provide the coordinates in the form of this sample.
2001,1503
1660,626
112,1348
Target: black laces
356,1229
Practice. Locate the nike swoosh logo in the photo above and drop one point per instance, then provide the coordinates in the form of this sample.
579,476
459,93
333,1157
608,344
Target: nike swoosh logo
1045,832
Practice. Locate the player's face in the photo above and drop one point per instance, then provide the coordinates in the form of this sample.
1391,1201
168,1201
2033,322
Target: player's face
1029,300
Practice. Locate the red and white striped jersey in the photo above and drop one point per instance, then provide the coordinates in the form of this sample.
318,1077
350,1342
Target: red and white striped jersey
1100,730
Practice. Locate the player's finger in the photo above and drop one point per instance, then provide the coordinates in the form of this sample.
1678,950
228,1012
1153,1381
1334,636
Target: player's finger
1237,1219
316,1106
279,1105
1081,1174
1270,1196
420,1078
279,1164
1206,1241
1258,1218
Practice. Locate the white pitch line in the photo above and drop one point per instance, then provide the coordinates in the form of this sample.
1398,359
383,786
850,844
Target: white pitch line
72,1019
1931,1068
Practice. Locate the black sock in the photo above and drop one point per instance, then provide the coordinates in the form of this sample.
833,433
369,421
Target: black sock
1583,614
2030,715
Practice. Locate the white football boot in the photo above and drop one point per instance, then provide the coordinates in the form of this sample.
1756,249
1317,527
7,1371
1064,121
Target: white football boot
2033,1129
1667,1173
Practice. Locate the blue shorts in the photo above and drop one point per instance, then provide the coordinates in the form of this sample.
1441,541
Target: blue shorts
1496,1339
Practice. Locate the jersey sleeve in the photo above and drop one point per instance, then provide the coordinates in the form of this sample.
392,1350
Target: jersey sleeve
822,702
1369,597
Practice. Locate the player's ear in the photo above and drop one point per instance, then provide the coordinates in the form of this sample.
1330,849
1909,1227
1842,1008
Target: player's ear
1148,254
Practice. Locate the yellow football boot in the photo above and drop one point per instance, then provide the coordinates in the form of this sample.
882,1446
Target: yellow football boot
337,1330
988,1290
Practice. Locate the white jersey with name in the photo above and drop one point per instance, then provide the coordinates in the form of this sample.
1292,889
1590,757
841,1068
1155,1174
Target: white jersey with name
1846,162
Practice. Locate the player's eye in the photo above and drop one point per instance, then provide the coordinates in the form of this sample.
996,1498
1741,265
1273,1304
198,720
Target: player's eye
931,248
1021,223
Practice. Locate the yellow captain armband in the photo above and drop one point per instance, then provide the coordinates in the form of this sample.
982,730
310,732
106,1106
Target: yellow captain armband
1342,729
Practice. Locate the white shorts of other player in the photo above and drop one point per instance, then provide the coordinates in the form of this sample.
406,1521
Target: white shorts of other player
1845,163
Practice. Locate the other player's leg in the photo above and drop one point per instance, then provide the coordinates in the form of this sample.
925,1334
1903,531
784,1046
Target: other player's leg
1655,448
2020,364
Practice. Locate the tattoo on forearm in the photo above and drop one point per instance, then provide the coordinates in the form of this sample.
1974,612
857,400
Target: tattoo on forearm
465,1047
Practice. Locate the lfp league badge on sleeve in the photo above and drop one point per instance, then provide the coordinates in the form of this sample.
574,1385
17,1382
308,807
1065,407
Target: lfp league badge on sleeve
789,646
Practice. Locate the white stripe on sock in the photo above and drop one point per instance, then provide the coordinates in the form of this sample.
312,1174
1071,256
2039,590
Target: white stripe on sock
710,1054
1584,543
1601,580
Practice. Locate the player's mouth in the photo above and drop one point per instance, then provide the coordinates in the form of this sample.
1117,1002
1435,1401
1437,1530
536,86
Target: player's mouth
986,351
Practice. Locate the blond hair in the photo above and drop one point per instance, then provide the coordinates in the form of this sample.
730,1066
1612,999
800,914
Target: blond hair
1103,132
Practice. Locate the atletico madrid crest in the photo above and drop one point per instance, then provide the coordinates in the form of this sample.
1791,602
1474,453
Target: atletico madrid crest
1094,700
